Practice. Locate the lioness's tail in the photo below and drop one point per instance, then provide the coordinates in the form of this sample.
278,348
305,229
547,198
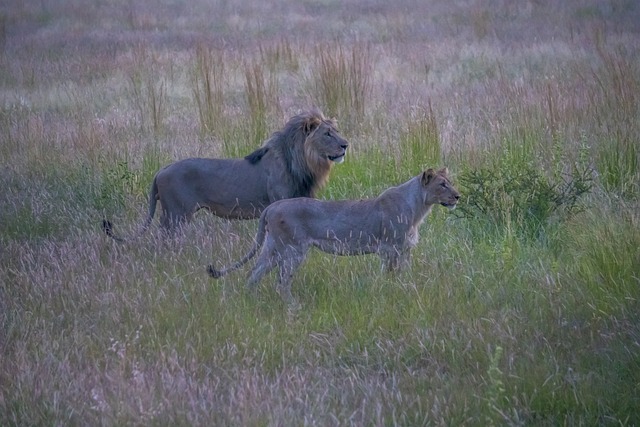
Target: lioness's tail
107,226
259,241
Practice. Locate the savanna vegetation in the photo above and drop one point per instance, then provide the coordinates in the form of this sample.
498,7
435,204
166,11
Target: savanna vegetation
521,307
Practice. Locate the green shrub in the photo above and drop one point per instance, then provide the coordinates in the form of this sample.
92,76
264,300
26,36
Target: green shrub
117,181
121,179
520,196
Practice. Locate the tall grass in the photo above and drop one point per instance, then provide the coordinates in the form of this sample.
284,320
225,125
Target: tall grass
343,80
259,93
3,32
281,55
617,88
148,91
523,312
208,89
420,143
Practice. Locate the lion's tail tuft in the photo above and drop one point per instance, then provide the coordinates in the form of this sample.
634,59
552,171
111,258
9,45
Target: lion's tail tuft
107,228
216,274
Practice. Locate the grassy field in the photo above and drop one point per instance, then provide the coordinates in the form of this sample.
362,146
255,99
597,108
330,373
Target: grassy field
521,307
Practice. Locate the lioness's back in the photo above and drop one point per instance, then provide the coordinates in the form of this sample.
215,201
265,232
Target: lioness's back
312,218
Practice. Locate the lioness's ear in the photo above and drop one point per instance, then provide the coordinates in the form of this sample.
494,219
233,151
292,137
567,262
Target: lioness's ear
444,171
427,176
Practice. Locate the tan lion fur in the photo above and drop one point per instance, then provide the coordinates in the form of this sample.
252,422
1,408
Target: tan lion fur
386,225
293,162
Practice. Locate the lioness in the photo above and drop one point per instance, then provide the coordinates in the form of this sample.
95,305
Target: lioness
294,162
387,225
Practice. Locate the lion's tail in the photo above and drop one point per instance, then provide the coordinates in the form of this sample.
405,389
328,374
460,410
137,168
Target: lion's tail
107,226
259,241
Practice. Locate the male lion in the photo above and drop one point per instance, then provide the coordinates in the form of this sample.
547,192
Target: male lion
387,225
294,162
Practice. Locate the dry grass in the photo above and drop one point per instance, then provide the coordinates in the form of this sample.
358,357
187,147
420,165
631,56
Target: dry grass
343,81
488,327
208,88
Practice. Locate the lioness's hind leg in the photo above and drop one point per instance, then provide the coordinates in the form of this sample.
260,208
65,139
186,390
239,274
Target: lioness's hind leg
264,264
288,266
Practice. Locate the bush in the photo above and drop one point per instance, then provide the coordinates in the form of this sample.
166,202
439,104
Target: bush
521,196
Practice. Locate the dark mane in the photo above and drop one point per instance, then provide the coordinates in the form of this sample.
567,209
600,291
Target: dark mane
257,155
288,144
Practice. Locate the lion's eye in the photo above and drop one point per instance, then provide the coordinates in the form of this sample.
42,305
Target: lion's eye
444,184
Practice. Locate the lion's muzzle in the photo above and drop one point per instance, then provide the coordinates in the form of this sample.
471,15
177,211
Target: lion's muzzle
337,159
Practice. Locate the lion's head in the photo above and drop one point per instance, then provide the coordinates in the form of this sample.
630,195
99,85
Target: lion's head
438,188
323,147
324,141
309,145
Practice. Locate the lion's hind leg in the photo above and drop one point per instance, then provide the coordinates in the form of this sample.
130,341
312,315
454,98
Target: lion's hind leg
178,208
174,219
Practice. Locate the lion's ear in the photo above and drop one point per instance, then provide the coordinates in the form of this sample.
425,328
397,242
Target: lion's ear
427,176
444,171
311,124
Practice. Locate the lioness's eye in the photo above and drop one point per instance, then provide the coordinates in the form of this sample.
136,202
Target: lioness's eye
444,184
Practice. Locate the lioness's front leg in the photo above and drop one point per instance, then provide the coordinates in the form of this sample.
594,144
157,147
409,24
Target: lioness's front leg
394,259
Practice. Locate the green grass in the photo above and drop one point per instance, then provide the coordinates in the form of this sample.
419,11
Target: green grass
523,311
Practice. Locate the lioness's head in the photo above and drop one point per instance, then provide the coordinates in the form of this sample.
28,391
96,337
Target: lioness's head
438,188
324,142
